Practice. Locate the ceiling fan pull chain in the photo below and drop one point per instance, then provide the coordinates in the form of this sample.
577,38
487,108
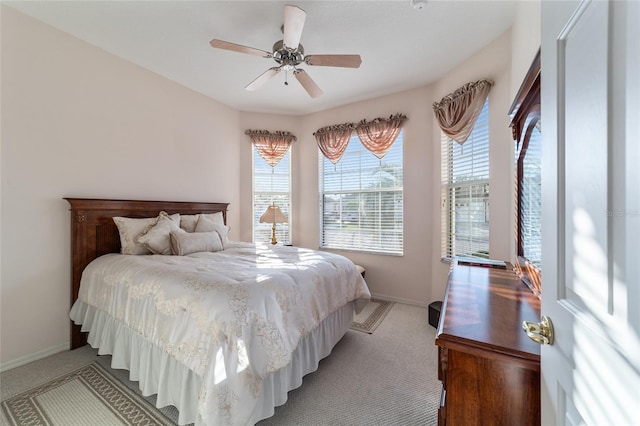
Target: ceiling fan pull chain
286,75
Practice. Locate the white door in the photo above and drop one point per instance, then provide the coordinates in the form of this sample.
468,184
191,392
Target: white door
591,213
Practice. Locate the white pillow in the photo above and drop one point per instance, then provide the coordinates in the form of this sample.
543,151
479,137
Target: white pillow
188,221
129,229
207,225
183,243
156,239
214,217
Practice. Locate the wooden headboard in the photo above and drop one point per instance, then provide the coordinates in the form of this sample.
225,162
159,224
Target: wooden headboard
94,233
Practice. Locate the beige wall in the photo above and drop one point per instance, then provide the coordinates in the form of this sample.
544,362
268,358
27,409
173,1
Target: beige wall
77,121
525,41
417,277
506,61
398,278
494,63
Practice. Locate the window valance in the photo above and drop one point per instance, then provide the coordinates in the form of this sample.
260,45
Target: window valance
271,146
457,112
333,140
379,134
376,135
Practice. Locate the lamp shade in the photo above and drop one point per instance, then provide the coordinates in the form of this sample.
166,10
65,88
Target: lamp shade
273,214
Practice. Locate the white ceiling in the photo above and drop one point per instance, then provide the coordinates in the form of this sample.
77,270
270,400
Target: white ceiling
401,47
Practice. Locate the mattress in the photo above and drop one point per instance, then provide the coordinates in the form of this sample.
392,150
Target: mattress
219,335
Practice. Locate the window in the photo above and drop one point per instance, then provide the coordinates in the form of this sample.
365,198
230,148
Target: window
530,197
271,185
465,192
362,200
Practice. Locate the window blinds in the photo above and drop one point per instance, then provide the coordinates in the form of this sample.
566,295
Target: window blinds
271,185
531,201
361,206
465,192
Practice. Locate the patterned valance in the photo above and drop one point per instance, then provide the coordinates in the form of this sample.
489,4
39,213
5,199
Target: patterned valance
271,146
376,135
379,134
457,112
333,140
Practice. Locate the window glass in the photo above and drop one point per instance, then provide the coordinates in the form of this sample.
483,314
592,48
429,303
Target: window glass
271,185
361,204
531,200
465,192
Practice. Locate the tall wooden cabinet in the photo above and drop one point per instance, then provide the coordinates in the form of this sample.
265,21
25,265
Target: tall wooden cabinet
489,368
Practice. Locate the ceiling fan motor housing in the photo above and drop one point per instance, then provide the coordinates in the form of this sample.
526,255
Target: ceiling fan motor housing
288,58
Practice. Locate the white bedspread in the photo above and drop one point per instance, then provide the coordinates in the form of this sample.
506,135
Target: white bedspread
232,317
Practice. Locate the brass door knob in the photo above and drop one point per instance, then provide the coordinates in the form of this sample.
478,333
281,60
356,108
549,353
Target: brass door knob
540,332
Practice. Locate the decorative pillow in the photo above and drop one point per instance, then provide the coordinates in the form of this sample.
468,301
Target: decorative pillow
188,222
129,229
207,225
214,217
156,238
183,243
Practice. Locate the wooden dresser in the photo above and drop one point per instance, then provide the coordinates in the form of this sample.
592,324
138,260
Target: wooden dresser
489,368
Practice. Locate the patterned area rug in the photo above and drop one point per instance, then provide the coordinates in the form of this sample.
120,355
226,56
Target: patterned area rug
89,395
371,316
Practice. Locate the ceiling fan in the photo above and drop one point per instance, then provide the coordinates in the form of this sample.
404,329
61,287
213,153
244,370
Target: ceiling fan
289,54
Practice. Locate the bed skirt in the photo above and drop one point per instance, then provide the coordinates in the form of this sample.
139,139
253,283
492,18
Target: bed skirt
159,373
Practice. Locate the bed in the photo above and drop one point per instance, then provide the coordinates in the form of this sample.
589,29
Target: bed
222,335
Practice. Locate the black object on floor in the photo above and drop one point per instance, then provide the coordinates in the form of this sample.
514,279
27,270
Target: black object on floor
434,313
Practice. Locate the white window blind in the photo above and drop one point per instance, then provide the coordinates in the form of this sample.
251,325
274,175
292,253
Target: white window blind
465,192
271,185
361,206
531,200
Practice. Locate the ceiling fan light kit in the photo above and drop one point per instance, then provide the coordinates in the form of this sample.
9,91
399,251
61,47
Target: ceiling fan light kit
289,54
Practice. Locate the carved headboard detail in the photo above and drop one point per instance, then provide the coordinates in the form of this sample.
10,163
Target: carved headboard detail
93,232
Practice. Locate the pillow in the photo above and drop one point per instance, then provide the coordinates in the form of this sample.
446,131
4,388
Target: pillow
156,238
129,229
188,221
214,217
183,243
207,225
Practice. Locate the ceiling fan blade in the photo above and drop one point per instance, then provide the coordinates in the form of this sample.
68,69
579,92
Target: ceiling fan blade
309,85
347,61
220,44
294,18
263,78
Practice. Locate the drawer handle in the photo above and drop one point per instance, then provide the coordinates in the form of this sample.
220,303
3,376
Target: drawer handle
540,332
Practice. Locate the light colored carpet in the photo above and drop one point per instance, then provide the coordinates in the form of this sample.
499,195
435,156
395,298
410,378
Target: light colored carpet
371,315
385,378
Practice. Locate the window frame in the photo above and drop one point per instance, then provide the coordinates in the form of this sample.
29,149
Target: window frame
322,192
287,237
447,212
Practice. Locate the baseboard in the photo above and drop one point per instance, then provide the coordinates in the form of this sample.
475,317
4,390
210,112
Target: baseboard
34,357
399,300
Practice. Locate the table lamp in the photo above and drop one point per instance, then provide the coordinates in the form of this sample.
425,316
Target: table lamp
273,215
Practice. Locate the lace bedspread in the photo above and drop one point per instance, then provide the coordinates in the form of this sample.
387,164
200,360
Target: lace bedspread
232,316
